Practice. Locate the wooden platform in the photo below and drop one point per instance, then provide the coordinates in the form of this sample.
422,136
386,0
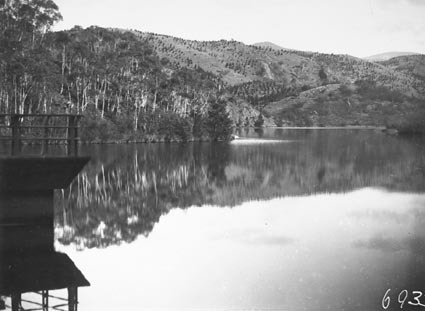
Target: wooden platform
28,261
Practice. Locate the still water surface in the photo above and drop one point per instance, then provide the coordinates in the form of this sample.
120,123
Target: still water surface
286,220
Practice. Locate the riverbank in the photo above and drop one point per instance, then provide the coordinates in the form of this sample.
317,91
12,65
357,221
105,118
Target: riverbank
147,140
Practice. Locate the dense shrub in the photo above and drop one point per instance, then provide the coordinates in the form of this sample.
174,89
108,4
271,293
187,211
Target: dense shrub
345,90
414,124
219,124
371,90
260,121
322,75
167,126
173,127
199,129
94,128
278,121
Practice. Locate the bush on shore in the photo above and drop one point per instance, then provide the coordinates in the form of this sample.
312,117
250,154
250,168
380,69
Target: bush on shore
413,124
158,125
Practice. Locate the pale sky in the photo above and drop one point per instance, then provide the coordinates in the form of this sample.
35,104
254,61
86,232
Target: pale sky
356,27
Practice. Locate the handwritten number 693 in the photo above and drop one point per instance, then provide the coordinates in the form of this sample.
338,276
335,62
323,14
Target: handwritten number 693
402,299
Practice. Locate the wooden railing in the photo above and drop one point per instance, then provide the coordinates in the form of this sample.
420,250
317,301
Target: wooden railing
44,129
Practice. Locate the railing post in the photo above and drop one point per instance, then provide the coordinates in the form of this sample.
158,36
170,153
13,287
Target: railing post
76,141
71,138
16,134
45,143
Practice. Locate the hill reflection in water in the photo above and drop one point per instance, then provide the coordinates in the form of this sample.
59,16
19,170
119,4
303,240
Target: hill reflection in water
125,189
321,252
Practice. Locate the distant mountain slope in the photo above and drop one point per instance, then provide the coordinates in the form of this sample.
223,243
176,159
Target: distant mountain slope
412,64
234,62
386,56
237,64
267,44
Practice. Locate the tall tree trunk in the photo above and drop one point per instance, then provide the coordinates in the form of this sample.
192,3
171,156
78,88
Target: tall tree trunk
63,67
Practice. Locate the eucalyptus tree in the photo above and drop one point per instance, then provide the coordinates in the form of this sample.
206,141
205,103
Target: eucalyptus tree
25,63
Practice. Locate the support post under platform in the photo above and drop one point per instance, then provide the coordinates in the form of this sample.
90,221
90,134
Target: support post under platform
72,298
16,301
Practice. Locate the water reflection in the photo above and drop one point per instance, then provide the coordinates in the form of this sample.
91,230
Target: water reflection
125,189
319,252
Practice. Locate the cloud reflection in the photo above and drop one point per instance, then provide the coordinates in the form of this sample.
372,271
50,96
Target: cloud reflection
257,237
271,240
414,244
381,244
382,215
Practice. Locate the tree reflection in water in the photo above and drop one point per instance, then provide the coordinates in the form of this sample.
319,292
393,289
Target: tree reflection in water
125,189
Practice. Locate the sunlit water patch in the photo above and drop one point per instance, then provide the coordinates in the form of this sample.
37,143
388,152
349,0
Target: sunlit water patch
253,141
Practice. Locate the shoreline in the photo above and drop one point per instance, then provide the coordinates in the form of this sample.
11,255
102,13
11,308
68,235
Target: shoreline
206,139
350,127
157,140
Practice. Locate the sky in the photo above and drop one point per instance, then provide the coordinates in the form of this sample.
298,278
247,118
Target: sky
357,27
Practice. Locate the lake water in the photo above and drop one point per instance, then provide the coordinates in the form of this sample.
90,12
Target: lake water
279,220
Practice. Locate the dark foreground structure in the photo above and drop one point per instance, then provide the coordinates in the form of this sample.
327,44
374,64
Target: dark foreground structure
28,260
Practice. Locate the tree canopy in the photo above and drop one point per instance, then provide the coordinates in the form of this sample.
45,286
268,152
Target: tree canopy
25,64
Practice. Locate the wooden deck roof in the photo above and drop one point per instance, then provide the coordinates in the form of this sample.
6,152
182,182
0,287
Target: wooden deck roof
46,271
38,173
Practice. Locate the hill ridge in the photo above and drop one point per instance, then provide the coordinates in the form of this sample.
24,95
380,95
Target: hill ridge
388,55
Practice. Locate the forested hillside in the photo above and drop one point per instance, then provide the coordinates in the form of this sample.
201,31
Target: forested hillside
116,80
409,64
137,86
302,88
